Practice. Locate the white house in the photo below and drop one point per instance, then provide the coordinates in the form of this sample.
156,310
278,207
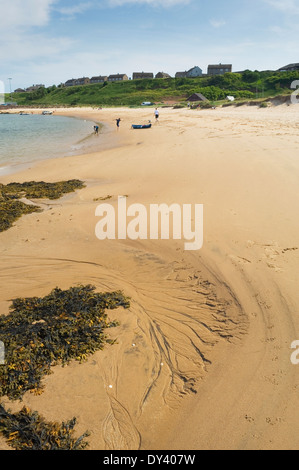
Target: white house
194,72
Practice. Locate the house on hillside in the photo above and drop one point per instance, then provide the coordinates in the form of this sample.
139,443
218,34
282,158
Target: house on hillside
162,75
19,90
141,75
197,97
77,81
82,81
118,77
99,79
34,88
181,74
70,82
192,73
219,69
289,68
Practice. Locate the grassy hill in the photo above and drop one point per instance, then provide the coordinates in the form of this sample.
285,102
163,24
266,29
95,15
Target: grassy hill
247,85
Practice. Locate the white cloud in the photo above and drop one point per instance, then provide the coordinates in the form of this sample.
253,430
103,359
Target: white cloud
25,13
37,47
75,9
25,40
290,7
162,3
217,23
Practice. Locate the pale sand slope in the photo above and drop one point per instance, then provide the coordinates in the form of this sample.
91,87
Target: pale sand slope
218,322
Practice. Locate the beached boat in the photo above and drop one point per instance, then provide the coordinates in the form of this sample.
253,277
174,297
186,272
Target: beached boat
141,126
47,112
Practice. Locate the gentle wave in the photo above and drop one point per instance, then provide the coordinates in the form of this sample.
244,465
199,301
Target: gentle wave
27,138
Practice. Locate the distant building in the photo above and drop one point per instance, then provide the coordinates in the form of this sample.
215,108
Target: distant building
118,77
181,74
197,97
34,88
77,81
192,73
141,75
82,81
19,90
99,79
70,82
289,68
219,69
162,75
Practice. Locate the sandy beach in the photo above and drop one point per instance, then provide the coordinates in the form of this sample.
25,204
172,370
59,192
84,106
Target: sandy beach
202,359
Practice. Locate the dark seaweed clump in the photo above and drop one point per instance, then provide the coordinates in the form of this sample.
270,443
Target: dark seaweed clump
11,208
10,211
27,430
39,333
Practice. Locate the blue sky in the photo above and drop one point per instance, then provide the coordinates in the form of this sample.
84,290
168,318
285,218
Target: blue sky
50,41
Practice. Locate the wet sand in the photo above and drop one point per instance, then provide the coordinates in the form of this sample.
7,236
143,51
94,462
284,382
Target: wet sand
202,359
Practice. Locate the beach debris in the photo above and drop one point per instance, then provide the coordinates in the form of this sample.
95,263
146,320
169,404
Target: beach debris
105,198
39,333
27,430
12,207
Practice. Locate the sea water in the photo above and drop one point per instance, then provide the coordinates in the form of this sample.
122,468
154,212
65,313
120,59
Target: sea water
27,138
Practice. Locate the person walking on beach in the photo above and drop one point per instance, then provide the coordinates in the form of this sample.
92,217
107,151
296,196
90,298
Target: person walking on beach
156,114
117,123
96,129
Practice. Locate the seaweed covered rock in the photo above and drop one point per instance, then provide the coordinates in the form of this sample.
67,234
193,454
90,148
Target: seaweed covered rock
40,189
39,333
27,430
10,211
11,208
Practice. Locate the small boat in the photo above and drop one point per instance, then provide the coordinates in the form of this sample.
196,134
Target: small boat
23,114
47,112
141,126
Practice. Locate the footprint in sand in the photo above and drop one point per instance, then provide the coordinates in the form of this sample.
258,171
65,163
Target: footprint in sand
271,252
249,419
273,421
237,260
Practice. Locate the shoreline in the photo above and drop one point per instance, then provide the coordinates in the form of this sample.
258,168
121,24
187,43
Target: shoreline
202,358
85,145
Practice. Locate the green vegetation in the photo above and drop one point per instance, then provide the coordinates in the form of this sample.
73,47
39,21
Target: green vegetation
246,85
27,430
11,208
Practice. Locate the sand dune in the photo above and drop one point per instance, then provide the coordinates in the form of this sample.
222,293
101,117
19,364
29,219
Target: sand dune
203,355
